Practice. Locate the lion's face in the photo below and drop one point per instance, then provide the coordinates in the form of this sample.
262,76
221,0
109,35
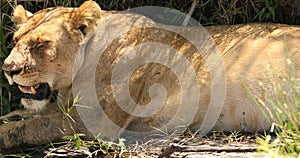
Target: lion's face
45,47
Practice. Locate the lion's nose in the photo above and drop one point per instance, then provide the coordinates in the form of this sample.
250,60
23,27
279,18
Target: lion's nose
12,68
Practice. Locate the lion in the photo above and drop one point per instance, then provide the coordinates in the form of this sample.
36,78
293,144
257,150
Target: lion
49,45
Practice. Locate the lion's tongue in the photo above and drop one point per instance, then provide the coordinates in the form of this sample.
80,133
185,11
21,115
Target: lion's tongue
29,89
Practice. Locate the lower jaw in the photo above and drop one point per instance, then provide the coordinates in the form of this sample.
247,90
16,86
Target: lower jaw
34,105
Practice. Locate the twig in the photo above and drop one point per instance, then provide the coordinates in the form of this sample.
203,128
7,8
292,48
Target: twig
188,16
28,0
184,148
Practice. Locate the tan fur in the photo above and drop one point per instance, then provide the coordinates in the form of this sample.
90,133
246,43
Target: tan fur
246,50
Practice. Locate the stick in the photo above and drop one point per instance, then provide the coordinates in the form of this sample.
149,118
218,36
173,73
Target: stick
184,148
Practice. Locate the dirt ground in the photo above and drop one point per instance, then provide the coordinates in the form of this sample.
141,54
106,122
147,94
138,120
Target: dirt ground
215,145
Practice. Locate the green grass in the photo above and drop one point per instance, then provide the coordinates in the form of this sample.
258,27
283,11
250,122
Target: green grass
9,98
281,107
74,144
284,113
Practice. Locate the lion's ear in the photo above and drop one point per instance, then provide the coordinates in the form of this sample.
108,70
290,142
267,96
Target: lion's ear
20,15
86,16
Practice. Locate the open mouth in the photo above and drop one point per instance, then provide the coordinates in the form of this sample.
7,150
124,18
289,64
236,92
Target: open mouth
39,91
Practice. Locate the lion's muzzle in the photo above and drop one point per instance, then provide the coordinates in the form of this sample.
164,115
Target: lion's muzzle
38,91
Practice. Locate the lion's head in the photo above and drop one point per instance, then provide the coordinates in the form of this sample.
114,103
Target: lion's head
45,46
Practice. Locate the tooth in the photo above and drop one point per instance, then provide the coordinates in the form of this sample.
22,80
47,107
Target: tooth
33,91
21,88
36,86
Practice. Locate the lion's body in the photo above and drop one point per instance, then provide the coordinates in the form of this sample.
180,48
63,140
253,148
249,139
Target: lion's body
252,54
255,55
247,52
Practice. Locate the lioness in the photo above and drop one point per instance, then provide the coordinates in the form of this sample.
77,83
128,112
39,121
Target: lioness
46,52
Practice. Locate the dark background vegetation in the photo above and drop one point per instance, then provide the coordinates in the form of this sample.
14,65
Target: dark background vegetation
207,12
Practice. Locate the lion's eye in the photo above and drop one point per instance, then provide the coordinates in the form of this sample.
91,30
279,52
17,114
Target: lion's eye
40,46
